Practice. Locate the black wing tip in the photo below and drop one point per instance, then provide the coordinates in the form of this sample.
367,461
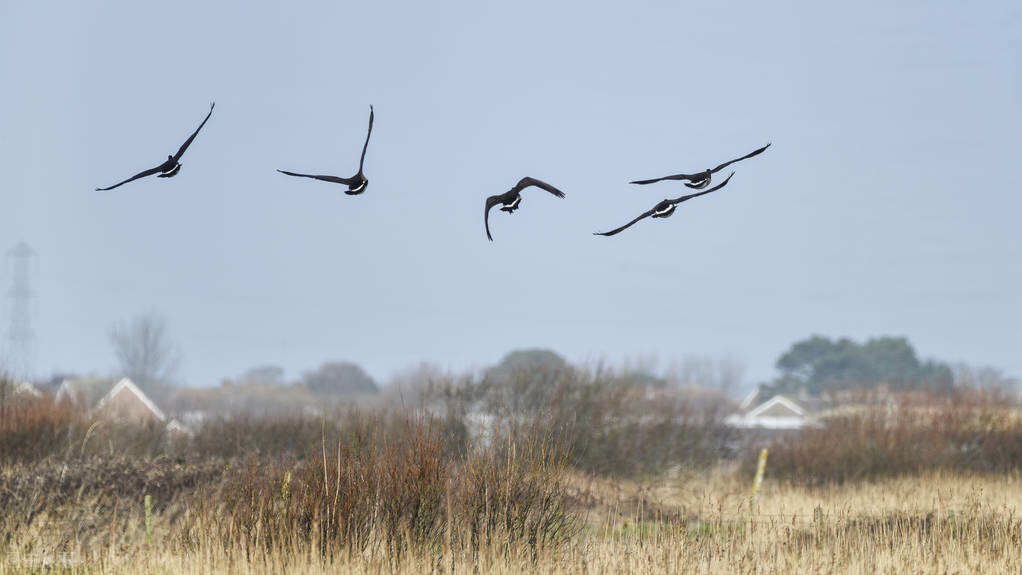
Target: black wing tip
720,185
541,184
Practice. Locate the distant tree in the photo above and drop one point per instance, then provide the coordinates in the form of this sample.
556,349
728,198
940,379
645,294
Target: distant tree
799,362
263,374
529,359
339,378
144,351
522,381
819,364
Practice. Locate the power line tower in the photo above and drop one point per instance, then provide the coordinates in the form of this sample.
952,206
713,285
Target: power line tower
20,337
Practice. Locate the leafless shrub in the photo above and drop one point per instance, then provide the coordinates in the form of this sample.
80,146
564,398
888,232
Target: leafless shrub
396,482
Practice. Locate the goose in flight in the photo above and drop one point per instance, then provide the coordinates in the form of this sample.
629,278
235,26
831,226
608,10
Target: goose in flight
700,180
357,183
665,209
172,166
510,199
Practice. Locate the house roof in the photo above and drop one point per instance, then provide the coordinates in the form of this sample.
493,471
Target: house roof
750,398
778,406
125,385
83,392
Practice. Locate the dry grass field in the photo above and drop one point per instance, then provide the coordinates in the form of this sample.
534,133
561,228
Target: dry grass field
926,524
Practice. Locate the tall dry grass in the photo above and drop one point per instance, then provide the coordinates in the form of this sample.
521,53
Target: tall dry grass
33,428
937,523
397,486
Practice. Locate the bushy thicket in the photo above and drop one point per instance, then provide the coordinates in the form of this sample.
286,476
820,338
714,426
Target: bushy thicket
401,486
34,429
967,432
86,493
381,478
614,423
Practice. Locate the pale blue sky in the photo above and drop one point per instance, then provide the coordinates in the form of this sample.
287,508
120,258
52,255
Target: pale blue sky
889,203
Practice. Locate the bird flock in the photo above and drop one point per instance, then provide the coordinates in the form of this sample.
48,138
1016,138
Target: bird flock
509,201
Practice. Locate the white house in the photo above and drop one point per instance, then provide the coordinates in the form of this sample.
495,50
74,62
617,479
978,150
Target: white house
778,412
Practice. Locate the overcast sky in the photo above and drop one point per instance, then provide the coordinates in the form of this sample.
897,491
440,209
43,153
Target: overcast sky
889,204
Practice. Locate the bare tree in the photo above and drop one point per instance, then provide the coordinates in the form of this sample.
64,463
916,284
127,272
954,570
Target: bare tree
724,373
144,350
984,378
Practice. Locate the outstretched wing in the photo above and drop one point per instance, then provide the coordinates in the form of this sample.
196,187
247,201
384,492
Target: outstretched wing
745,157
188,142
527,181
704,192
626,226
332,179
148,172
366,145
490,202
674,177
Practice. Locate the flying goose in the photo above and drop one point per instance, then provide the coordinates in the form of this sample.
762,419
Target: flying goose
665,209
172,166
511,198
700,180
357,183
